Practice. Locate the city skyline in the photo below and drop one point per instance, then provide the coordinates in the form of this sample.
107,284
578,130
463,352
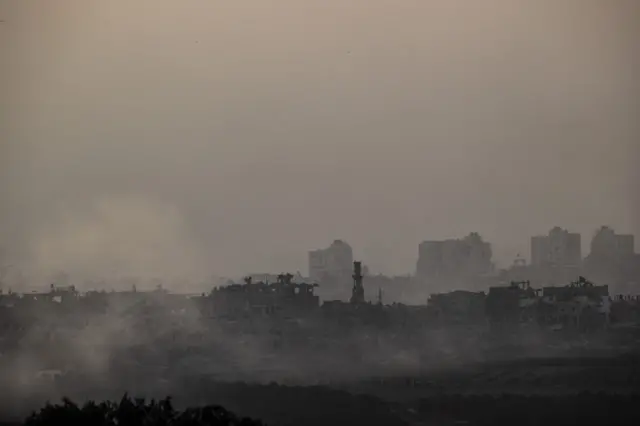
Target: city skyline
319,212
346,253
137,142
570,250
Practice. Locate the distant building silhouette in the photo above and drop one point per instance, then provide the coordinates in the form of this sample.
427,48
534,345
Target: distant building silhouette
606,243
357,292
613,260
332,263
282,297
559,248
454,262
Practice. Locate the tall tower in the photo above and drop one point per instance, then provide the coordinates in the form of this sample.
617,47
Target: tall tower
357,292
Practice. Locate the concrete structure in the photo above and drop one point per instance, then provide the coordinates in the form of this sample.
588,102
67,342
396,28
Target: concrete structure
282,297
578,305
511,305
270,278
331,263
454,263
606,243
625,310
613,260
559,248
357,293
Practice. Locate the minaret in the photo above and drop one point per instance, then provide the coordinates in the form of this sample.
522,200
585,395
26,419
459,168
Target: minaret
357,293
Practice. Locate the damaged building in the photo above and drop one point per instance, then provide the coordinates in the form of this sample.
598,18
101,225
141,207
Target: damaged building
511,305
284,297
580,305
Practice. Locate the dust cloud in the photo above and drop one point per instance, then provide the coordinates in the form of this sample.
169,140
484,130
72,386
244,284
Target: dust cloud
118,237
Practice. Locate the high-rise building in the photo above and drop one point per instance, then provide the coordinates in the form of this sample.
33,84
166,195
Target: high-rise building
606,243
559,248
477,254
613,260
332,263
454,261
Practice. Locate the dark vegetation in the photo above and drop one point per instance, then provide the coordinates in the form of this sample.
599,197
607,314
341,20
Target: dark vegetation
273,404
288,409
579,409
134,412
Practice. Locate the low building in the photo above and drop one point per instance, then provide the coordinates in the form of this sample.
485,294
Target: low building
580,305
625,310
282,297
511,305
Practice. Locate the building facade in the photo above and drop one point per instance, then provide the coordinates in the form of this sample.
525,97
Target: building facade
606,243
613,260
283,297
454,263
333,263
559,248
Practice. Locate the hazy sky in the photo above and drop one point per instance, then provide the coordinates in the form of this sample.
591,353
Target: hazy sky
233,136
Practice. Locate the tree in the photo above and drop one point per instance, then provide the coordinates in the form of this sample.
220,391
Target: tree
134,412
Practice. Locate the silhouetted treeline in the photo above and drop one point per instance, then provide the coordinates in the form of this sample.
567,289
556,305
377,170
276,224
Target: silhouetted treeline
340,408
134,412
272,404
